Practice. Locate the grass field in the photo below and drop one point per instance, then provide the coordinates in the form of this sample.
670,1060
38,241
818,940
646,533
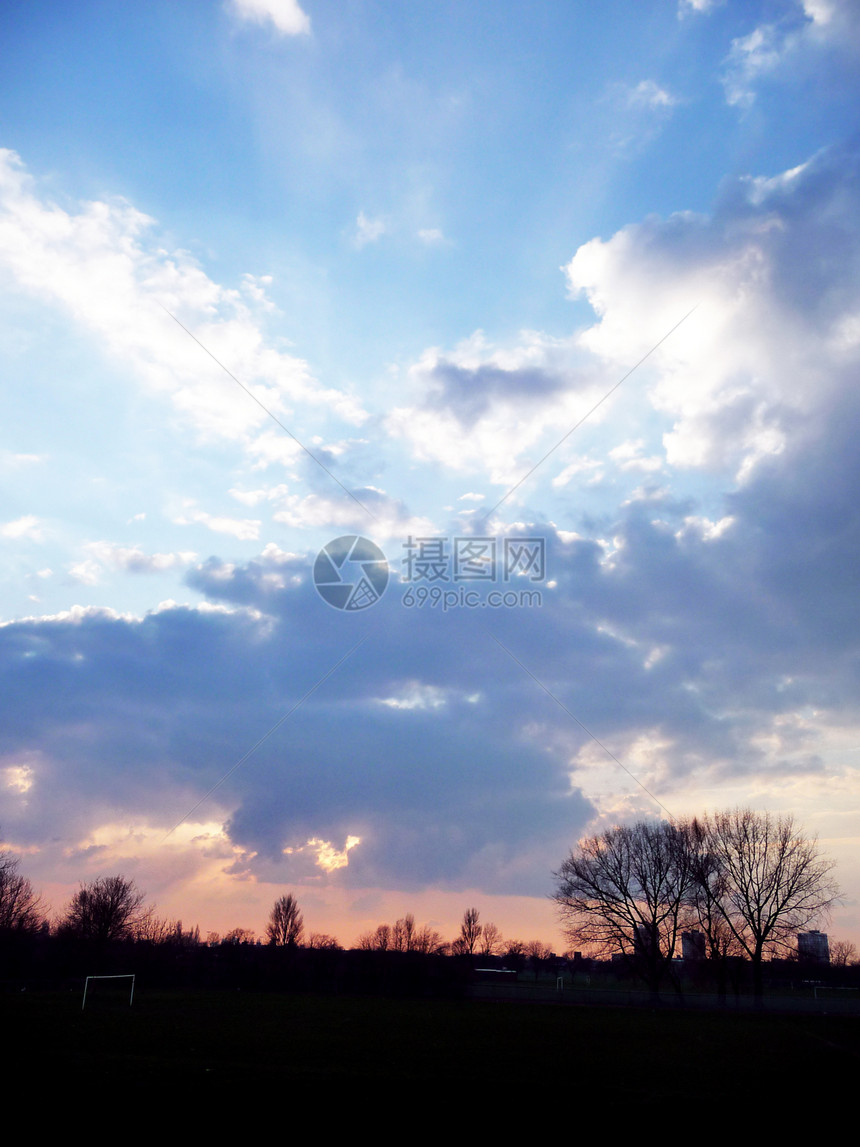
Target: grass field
225,1037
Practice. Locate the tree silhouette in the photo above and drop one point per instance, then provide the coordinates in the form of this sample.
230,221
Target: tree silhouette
514,954
20,907
491,940
239,936
377,941
428,941
629,891
403,936
323,942
749,880
470,931
843,953
107,909
772,880
286,925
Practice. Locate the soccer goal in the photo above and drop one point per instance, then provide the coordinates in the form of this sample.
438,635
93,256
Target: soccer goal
129,976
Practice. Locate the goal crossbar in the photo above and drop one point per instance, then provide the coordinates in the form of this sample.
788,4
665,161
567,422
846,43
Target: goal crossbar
126,976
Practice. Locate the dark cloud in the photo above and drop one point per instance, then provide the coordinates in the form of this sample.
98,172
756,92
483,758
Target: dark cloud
806,226
145,716
470,393
430,742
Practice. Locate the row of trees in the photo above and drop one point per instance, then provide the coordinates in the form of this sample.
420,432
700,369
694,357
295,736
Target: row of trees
474,940
403,936
112,909
748,881
745,881
106,910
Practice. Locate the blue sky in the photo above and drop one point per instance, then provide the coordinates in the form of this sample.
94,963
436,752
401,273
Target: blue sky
428,239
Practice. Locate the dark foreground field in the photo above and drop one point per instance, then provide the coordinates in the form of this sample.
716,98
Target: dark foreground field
230,1037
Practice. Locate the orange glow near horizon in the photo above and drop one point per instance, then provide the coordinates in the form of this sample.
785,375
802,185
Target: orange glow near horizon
199,877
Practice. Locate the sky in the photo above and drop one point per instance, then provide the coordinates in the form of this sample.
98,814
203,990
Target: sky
555,304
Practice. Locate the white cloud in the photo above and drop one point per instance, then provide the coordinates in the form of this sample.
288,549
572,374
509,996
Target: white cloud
391,519
104,266
579,465
77,615
651,95
367,230
285,15
628,455
273,447
417,696
272,553
27,527
765,334
254,497
13,460
432,236
750,58
687,6
765,344
134,560
87,572
245,529
255,287
807,26
19,778
704,528
481,408
639,113
329,858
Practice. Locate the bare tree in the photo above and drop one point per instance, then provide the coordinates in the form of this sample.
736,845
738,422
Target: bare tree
428,941
710,885
20,907
843,953
107,909
491,940
403,934
628,891
157,930
286,925
376,941
322,940
470,930
773,881
539,950
240,936
514,954
539,954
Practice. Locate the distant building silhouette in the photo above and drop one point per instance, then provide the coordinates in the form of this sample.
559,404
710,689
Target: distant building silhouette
693,945
645,940
813,947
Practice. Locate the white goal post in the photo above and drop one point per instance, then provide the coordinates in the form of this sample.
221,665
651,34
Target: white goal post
128,976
